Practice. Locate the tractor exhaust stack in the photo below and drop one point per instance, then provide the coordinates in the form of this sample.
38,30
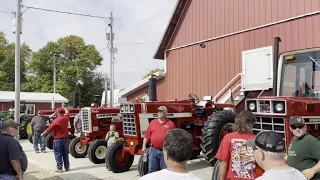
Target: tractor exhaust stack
76,100
153,88
277,41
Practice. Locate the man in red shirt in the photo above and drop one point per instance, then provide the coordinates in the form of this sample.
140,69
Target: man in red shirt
237,161
59,129
156,133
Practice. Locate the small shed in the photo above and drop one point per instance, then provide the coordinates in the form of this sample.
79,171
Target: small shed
34,101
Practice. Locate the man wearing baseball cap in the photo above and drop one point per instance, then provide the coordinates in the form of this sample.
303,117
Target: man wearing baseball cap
304,149
156,133
13,160
269,151
59,129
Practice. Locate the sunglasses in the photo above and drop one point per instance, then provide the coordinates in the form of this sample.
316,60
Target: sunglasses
297,126
159,111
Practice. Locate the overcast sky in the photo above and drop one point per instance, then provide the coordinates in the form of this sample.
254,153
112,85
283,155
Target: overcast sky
135,21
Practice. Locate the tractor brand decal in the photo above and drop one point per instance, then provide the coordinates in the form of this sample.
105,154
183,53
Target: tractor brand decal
169,115
116,119
95,111
101,116
311,119
178,108
95,128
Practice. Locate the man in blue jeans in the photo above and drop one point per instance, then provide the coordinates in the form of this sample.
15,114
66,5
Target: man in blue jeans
156,133
59,128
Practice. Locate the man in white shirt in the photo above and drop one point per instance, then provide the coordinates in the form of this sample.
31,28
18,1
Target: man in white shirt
269,152
177,150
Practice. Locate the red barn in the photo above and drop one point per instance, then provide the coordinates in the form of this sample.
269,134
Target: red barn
209,45
34,101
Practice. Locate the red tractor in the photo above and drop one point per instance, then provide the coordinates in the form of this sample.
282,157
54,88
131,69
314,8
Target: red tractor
95,125
206,121
295,92
49,137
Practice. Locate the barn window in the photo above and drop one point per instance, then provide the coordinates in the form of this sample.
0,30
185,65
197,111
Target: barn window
30,109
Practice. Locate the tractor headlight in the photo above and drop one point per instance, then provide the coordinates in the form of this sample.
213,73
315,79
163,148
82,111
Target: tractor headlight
279,107
252,106
131,108
121,108
126,107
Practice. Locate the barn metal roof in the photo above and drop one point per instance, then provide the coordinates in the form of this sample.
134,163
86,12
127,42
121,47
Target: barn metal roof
139,85
171,26
8,96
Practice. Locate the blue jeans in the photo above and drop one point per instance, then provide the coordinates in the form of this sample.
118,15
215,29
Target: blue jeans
156,160
38,139
7,177
60,149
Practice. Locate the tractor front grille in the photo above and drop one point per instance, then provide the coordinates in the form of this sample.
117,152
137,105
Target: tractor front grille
86,119
129,125
276,124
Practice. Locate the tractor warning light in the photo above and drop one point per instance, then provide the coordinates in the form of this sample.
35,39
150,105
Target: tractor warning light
289,58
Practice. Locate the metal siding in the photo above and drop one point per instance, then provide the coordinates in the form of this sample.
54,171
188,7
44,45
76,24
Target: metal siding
205,71
200,22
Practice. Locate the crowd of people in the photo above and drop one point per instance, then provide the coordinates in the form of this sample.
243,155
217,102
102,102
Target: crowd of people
241,153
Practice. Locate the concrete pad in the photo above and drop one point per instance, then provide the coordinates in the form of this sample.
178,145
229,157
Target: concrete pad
83,168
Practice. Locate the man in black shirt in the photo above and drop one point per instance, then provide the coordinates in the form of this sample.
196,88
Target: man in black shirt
13,160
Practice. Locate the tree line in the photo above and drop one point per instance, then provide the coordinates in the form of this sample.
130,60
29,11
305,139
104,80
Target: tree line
76,64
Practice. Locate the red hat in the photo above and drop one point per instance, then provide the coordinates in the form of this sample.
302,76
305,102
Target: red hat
60,110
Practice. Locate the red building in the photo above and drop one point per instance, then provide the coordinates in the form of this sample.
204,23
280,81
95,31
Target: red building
34,101
209,44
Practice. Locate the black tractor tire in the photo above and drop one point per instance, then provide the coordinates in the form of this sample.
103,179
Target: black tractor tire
30,138
49,141
195,154
97,151
211,131
215,172
74,149
23,129
143,163
114,151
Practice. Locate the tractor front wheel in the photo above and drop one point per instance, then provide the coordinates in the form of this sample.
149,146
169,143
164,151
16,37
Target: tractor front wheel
77,149
114,159
214,129
215,173
30,138
49,141
143,163
97,151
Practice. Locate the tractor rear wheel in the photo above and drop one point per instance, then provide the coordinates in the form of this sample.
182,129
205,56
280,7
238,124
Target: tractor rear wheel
214,129
143,163
76,149
23,129
114,160
49,141
215,173
97,151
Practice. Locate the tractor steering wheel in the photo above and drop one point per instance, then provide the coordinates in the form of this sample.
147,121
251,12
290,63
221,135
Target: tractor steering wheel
193,98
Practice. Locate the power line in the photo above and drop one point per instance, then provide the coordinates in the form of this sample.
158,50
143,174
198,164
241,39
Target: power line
65,12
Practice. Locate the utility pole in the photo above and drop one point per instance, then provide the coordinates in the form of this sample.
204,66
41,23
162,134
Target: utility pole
106,92
111,62
54,82
17,64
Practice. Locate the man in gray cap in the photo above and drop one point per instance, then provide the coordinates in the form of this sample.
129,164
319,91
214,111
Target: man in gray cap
269,151
156,133
13,160
303,152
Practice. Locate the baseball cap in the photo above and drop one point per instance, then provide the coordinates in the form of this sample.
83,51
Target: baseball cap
10,123
268,141
60,110
295,120
162,108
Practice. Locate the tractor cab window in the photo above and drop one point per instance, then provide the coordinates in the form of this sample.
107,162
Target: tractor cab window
301,75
